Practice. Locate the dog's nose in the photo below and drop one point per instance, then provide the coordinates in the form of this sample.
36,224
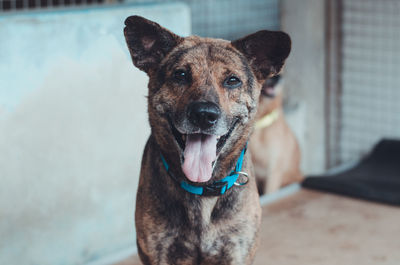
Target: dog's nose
203,114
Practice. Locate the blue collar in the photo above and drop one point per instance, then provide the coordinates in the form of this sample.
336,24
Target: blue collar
217,188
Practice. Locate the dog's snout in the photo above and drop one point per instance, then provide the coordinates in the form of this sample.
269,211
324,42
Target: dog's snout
203,114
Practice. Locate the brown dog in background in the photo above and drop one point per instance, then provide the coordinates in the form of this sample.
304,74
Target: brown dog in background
191,208
274,149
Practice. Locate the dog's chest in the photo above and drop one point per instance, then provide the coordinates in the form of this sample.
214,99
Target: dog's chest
211,246
205,240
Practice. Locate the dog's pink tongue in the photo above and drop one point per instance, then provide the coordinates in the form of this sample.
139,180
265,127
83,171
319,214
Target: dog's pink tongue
200,152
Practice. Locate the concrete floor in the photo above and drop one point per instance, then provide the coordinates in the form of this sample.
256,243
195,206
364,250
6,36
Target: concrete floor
316,228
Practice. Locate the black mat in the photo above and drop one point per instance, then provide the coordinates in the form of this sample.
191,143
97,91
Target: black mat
375,178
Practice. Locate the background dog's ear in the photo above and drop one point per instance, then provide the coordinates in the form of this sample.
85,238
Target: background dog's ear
266,51
148,42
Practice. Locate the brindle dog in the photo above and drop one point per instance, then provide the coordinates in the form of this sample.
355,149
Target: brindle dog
202,100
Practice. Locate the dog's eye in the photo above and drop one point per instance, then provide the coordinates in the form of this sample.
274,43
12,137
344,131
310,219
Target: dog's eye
181,75
232,82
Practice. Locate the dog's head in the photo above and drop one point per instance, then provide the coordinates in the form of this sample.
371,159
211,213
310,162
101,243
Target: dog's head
203,92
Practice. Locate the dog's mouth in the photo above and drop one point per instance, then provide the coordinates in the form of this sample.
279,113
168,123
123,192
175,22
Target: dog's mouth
268,88
268,92
200,152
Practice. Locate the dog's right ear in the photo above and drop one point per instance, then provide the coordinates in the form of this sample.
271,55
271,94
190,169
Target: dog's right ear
148,42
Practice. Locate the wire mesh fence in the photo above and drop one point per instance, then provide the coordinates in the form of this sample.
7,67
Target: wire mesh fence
19,5
230,19
370,76
227,19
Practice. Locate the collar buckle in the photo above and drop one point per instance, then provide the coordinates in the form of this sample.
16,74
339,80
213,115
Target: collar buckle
215,189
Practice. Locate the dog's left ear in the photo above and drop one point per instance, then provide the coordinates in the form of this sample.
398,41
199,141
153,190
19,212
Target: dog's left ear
148,42
266,51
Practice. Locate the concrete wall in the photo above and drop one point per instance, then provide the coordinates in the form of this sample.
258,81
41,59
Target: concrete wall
305,77
73,125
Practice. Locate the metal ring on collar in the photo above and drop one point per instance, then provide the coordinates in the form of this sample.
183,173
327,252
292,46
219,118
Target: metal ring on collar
243,174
